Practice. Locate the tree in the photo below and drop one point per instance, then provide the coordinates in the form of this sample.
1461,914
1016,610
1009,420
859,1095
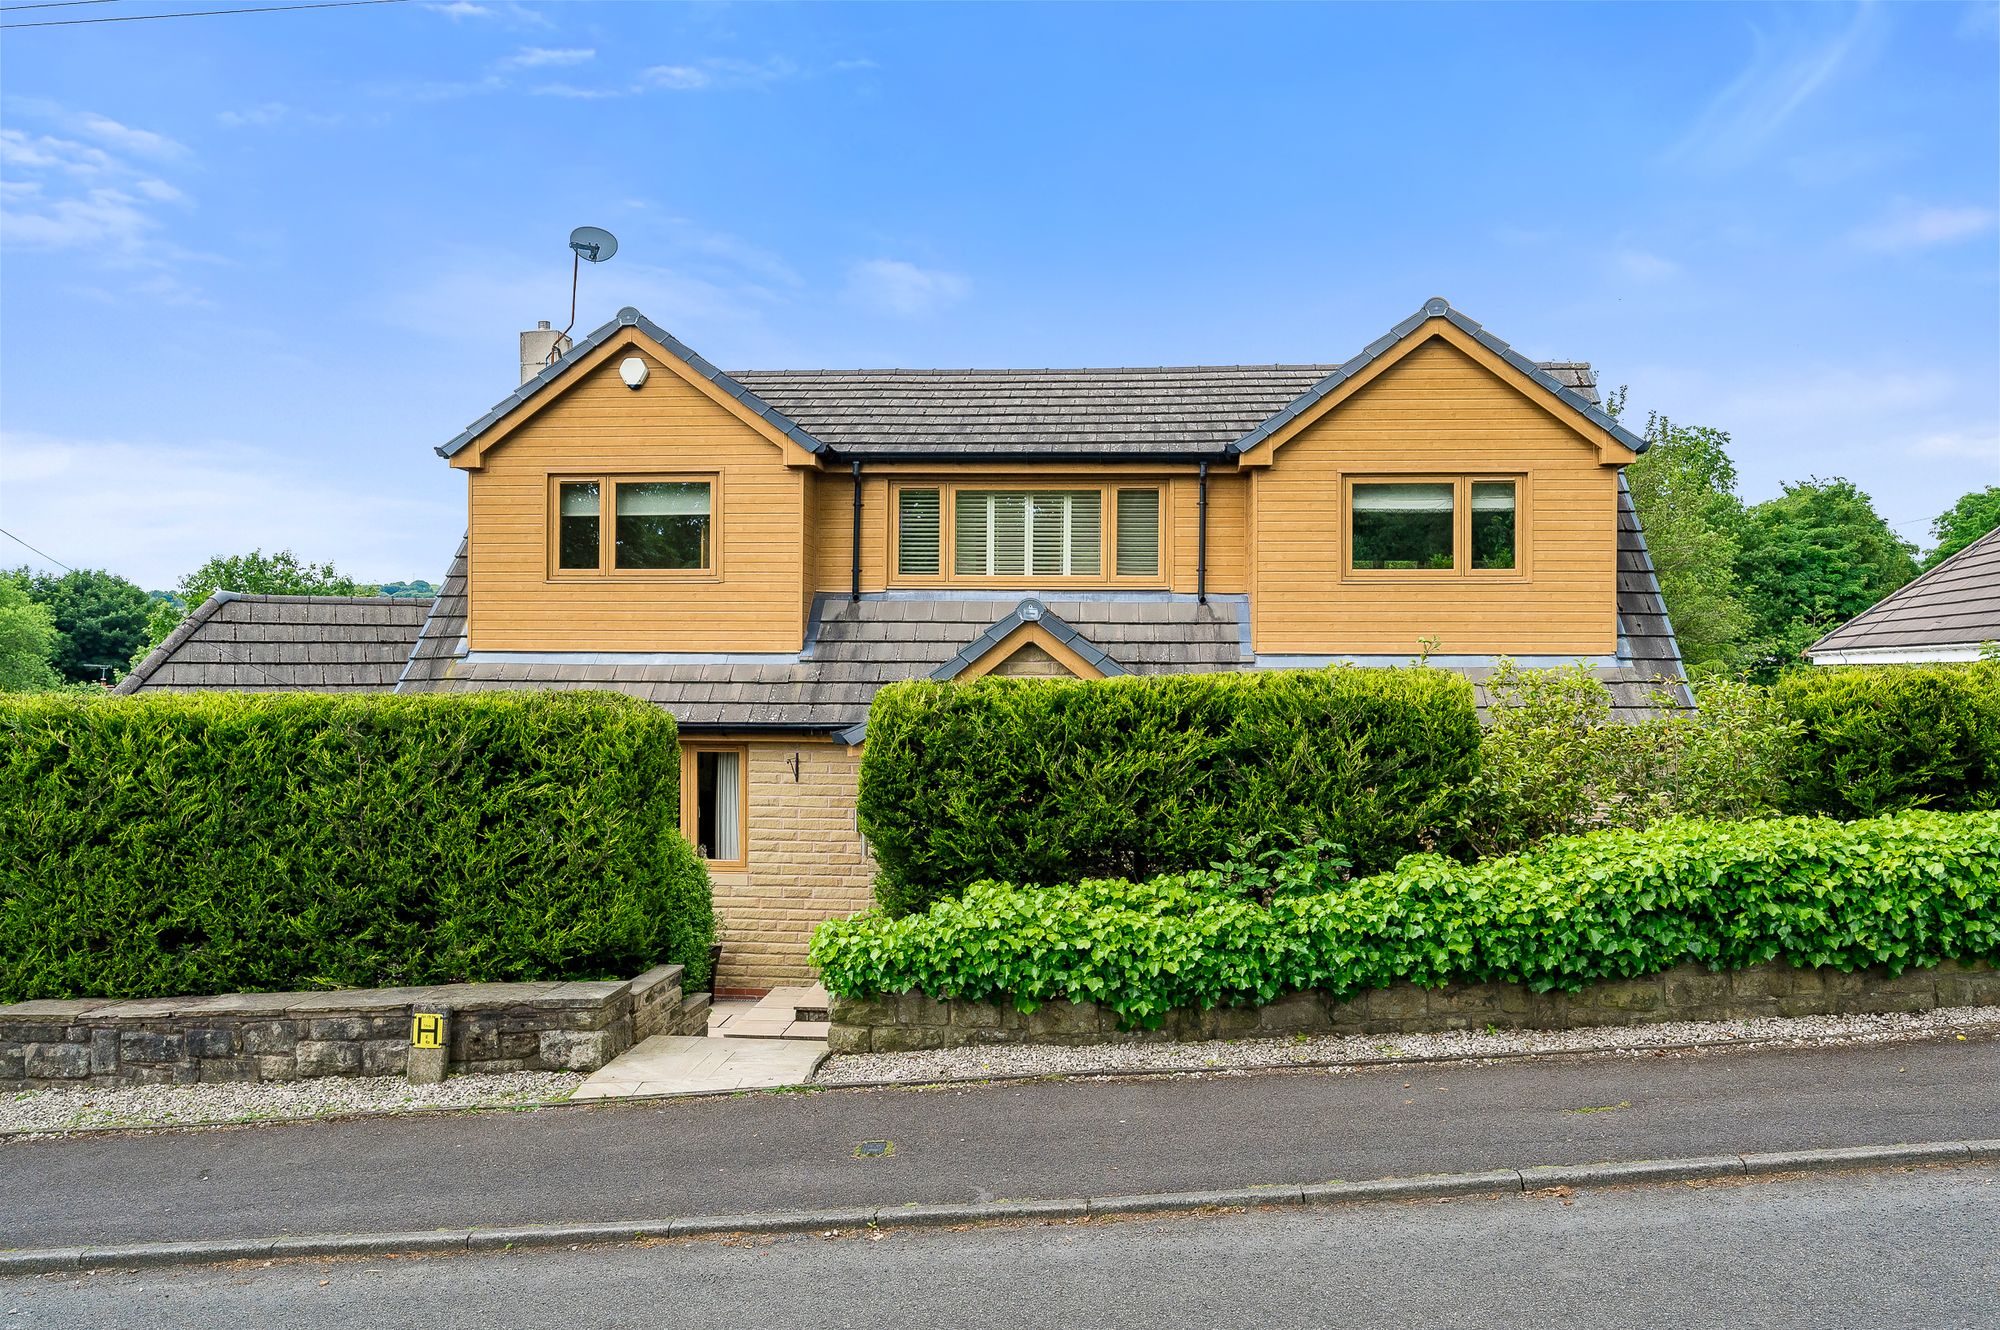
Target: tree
1971,517
100,619
418,589
27,637
1813,558
253,574
1684,489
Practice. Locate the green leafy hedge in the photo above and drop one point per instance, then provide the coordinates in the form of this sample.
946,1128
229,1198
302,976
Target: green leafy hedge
206,843
1875,739
1902,891
1054,780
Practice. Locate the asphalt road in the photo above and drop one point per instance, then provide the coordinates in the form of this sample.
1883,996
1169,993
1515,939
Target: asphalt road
769,1152
1917,1247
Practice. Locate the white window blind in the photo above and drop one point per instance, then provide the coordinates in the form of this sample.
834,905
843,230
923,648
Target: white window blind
1373,498
1034,533
1138,533
917,513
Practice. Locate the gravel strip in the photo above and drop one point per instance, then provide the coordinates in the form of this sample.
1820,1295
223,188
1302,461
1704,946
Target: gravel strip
26,1111
947,1064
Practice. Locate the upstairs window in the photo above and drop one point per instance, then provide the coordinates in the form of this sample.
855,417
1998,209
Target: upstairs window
658,525
919,519
1433,525
1403,527
1139,533
1493,503
1028,533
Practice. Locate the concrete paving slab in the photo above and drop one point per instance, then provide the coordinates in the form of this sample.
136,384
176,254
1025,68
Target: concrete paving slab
686,1064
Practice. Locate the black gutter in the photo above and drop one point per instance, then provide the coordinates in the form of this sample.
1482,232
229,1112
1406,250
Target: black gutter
1201,543
765,727
855,594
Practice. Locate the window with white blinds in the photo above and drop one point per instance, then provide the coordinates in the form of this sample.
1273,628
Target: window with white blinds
1138,533
918,514
1028,533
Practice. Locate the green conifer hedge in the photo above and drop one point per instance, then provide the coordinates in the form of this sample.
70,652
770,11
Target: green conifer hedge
1056,780
218,842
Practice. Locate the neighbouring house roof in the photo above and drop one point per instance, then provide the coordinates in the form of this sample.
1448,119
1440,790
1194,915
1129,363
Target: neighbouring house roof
1945,614
854,647
322,644
1192,411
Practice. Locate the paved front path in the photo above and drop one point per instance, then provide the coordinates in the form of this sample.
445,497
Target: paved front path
662,1158
1918,1248
684,1064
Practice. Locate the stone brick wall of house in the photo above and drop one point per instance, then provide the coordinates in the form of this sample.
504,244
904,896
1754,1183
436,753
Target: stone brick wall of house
807,862
1031,662
907,1021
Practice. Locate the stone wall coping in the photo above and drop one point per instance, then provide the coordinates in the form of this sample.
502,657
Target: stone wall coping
659,974
350,1001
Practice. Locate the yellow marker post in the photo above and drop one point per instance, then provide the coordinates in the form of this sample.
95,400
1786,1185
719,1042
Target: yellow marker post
430,1045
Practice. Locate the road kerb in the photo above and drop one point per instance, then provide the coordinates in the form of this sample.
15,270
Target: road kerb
1498,1182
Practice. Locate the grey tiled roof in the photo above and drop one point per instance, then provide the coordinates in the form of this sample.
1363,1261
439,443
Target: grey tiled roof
1956,603
1208,410
322,644
856,647
1041,412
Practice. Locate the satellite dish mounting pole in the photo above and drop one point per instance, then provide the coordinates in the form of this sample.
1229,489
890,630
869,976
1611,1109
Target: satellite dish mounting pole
575,266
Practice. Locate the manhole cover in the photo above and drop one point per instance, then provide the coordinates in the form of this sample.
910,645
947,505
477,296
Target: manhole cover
874,1149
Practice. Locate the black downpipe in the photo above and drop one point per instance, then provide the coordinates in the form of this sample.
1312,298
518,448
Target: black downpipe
1201,543
855,594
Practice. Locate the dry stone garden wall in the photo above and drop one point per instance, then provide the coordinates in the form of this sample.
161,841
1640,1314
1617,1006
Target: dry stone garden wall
575,1026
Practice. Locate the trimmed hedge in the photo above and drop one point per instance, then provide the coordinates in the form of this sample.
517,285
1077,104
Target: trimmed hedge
218,842
1901,892
1055,780
1879,738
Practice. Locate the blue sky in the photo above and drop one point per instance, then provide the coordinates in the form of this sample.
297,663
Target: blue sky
253,268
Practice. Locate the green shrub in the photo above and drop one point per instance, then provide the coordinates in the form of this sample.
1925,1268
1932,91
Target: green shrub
1553,761
1905,891
215,842
1877,738
1053,780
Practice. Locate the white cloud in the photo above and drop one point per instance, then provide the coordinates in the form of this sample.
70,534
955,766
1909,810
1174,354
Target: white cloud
1913,226
1968,445
1783,74
720,72
505,12
895,287
63,194
546,57
265,114
581,94
153,512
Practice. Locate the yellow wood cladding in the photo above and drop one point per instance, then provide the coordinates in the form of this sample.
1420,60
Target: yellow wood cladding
783,532
1437,412
751,602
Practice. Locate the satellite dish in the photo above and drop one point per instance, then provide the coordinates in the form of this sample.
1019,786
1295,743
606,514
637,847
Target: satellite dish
593,243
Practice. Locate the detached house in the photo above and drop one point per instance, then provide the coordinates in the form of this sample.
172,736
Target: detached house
759,551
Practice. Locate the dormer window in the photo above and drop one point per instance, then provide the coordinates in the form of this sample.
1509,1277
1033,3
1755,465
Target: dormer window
658,525
1106,534
1433,526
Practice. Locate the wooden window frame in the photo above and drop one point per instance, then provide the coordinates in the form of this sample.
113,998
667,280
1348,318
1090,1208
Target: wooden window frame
690,820
1461,527
607,527
1107,534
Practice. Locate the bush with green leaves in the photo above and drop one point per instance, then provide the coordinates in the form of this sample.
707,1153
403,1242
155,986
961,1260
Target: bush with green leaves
1877,738
1554,761
1054,780
1899,892
215,842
